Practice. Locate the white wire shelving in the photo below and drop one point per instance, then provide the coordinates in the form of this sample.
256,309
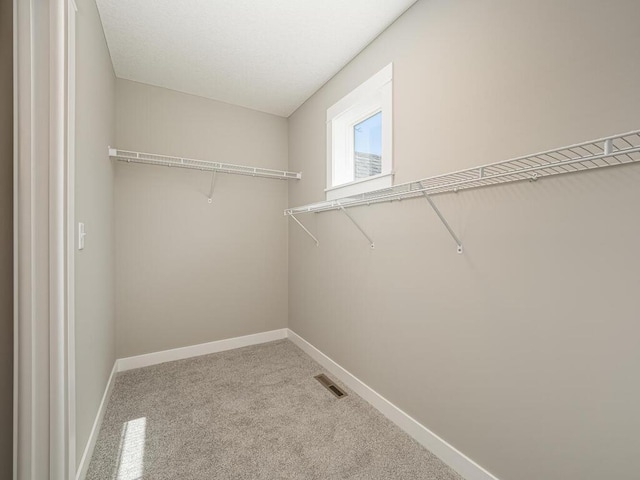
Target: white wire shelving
604,152
204,165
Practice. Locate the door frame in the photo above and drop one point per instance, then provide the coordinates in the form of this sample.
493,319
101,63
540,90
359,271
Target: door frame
43,243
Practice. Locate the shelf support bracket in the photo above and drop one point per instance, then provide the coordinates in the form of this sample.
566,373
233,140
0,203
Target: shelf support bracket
305,229
357,226
444,221
213,183
608,147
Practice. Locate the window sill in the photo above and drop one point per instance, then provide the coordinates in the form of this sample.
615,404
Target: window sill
369,184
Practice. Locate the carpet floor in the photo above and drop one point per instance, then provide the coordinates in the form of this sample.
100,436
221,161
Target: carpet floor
251,413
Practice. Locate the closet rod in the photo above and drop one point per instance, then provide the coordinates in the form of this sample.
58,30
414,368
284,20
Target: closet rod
205,165
604,152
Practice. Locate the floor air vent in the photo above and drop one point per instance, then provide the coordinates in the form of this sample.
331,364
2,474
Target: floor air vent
329,385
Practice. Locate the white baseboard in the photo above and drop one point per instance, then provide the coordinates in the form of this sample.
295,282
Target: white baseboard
458,461
95,430
139,361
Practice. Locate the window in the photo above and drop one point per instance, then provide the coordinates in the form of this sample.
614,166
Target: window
367,152
359,139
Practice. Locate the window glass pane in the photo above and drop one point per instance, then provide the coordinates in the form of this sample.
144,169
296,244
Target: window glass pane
367,141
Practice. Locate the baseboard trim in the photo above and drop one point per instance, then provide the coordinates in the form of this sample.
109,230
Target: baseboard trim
155,358
81,473
457,460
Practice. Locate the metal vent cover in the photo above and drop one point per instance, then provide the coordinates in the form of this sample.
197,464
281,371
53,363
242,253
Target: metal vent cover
330,385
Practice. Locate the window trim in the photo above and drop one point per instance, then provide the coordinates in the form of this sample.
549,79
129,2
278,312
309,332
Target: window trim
373,96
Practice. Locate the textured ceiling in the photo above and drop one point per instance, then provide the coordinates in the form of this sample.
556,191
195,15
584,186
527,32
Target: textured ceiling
269,55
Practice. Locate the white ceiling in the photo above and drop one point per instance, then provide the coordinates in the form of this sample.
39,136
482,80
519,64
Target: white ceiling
269,55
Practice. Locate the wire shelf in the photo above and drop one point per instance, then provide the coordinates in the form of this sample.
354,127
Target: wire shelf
591,155
204,165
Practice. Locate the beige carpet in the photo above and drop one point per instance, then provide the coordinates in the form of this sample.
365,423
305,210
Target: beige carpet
251,413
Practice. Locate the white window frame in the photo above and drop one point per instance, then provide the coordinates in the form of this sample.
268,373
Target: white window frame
373,96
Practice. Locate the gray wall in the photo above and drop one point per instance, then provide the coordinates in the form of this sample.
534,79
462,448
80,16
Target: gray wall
6,239
523,353
190,272
95,131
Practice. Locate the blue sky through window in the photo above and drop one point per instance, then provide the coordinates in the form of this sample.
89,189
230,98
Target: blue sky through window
368,135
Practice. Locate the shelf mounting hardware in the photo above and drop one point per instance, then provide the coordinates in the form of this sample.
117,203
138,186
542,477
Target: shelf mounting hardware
213,183
444,221
371,244
306,230
608,146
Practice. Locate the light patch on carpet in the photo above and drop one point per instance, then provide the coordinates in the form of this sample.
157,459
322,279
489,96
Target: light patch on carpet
131,461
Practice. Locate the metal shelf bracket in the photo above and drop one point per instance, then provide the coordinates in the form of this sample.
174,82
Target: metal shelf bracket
306,230
444,221
213,183
371,244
